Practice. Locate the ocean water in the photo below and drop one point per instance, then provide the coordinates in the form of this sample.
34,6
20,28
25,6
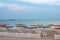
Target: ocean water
29,22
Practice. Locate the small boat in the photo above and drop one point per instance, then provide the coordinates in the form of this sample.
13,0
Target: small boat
12,19
34,26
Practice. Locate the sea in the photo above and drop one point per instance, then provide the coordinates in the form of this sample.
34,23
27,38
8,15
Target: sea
29,22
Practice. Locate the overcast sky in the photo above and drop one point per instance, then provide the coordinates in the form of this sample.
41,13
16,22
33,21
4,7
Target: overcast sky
30,9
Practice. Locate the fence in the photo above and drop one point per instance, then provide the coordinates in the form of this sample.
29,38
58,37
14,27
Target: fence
20,35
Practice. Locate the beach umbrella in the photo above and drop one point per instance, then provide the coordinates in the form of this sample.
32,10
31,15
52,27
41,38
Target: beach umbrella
4,25
21,25
35,25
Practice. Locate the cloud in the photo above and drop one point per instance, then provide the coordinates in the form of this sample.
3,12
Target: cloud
55,2
18,8
14,6
2,4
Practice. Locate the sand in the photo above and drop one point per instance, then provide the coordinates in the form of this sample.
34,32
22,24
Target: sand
50,35
19,38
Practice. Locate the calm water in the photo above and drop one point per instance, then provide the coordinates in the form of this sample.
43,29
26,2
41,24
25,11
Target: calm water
29,22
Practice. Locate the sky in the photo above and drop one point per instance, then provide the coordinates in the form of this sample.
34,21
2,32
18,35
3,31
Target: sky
30,9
